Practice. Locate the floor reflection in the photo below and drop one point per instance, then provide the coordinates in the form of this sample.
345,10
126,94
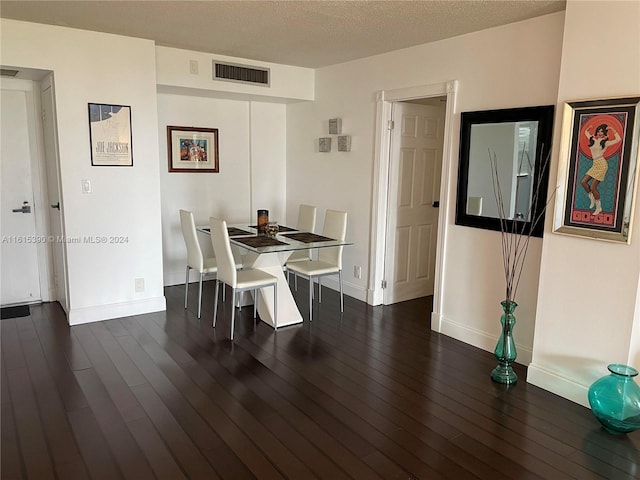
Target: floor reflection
612,456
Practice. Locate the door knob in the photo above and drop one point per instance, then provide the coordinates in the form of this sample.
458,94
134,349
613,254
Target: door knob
57,205
435,204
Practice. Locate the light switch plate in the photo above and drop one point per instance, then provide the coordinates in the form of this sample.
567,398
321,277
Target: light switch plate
86,186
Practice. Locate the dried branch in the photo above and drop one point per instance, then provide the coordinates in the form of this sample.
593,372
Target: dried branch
515,236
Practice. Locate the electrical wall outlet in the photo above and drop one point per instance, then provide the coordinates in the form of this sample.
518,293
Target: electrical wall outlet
193,67
139,285
357,271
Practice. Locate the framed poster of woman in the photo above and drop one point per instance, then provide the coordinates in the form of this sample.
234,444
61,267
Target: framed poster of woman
597,174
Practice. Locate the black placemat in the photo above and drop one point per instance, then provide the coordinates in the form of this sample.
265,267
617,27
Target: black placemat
308,237
234,232
259,241
281,228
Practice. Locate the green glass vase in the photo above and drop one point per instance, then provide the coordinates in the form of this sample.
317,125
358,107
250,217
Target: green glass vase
505,350
615,400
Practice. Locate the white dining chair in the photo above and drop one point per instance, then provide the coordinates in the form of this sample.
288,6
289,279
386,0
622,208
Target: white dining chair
239,280
306,223
195,259
329,260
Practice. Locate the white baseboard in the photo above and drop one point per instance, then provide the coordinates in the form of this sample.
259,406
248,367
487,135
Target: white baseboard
477,338
536,375
78,316
349,289
177,278
558,384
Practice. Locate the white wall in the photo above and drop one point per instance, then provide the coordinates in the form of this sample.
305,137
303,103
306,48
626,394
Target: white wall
587,308
251,122
225,194
101,68
252,169
512,66
268,144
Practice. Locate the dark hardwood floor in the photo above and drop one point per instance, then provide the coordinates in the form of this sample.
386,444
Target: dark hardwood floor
371,394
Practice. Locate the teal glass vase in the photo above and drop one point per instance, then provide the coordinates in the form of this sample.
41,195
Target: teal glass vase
505,350
615,400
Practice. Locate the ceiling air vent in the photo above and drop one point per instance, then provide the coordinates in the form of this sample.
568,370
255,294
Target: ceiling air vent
231,72
6,72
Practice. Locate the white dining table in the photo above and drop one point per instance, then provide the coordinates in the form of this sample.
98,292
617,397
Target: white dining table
269,254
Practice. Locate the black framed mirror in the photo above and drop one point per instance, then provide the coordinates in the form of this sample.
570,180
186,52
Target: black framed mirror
519,139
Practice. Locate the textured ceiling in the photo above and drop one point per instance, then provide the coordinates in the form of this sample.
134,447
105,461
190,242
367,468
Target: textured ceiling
295,32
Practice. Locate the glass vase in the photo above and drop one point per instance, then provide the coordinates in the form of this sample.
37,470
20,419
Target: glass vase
272,229
505,350
615,400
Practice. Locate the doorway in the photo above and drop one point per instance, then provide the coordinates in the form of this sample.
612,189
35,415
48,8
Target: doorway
415,165
378,234
30,246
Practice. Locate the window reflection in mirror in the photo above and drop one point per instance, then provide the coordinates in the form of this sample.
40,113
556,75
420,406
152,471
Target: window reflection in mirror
519,139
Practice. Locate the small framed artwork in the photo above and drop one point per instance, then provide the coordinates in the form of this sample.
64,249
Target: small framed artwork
193,149
344,143
335,126
110,135
597,175
324,144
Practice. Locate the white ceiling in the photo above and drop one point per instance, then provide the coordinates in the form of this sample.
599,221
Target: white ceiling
294,32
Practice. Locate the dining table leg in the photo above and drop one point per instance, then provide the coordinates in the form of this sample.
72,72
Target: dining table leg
272,263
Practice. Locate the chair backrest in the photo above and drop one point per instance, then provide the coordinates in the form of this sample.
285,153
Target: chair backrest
306,223
335,226
306,218
222,248
194,253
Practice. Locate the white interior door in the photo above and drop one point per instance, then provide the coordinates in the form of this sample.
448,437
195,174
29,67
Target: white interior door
56,230
19,254
414,183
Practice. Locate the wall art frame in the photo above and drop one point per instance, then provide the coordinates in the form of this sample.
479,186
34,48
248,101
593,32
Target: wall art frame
324,144
344,143
598,169
193,149
335,126
110,135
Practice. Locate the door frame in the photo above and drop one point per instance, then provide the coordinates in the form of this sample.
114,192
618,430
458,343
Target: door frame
378,233
51,167
393,190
